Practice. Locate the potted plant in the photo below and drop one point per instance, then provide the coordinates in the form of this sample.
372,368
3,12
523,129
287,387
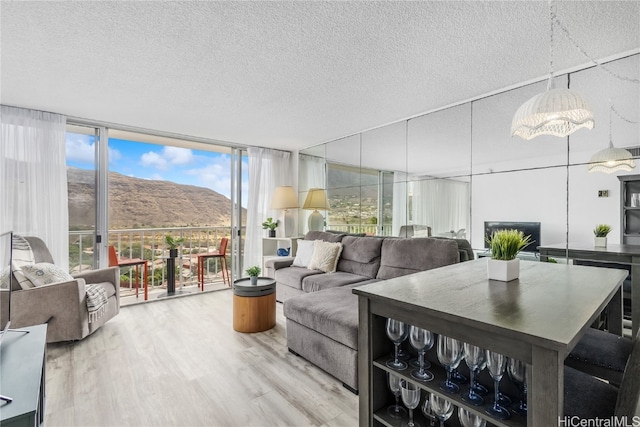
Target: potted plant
173,243
270,225
601,231
505,245
253,273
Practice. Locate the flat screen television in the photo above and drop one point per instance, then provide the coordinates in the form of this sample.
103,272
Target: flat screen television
528,229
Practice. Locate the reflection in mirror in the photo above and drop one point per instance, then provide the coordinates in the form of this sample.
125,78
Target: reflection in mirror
537,195
439,144
442,204
495,150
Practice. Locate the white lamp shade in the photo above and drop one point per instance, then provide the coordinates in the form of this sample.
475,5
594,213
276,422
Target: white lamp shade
557,112
284,198
611,160
316,199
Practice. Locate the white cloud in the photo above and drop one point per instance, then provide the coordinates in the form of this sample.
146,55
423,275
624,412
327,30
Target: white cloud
215,175
177,155
154,159
79,148
168,156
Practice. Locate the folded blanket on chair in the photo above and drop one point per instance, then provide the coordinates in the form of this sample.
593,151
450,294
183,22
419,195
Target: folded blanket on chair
96,301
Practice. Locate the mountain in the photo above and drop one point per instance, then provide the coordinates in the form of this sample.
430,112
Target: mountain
142,203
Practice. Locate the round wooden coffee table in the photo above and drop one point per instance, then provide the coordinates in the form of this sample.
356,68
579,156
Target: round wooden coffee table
254,306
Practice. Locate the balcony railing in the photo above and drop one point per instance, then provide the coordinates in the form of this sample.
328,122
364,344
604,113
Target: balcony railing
368,229
149,244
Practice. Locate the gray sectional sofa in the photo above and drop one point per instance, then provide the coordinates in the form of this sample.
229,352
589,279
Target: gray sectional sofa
322,311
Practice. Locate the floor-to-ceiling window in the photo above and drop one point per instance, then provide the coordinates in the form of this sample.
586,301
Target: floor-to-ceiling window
157,186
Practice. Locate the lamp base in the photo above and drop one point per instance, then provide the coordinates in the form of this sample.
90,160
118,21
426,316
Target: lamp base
287,221
316,221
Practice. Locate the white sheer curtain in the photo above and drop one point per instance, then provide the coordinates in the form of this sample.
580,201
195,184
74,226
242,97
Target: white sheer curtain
34,178
400,192
312,174
442,204
268,169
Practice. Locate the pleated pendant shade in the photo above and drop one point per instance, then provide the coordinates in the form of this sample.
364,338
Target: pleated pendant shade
611,160
557,112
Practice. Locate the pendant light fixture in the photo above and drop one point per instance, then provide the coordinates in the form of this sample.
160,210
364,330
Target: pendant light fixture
611,159
558,112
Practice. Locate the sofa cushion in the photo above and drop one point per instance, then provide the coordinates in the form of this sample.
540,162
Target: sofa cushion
319,282
303,253
43,273
321,235
292,276
325,256
332,312
406,256
360,255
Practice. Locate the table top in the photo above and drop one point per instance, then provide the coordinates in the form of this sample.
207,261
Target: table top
549,305
588,247
243,287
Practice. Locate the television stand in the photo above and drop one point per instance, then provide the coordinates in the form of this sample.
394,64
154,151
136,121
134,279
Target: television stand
22,370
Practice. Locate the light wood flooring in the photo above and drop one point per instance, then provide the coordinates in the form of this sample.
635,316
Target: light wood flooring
178,362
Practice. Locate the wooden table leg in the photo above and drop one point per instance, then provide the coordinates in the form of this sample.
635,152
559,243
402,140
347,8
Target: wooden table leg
546,395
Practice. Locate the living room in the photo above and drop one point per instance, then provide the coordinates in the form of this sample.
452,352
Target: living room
422,93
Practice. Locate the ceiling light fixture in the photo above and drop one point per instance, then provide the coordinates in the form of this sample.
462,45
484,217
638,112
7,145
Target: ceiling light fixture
557,112
612,159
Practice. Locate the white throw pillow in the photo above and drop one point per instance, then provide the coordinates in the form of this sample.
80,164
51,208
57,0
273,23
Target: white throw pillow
44,273
303,253
325,256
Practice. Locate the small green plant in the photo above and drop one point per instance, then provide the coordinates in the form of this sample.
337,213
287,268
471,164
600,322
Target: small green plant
269,224
173,242
253,271
602,230
505,244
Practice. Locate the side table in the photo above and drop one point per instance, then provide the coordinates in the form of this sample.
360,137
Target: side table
254,306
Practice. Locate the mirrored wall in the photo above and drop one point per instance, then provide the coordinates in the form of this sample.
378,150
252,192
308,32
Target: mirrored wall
450,171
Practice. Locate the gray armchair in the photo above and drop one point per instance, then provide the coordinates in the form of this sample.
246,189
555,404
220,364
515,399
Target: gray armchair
63,305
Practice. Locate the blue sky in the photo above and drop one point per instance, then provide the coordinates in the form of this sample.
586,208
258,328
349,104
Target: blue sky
151,161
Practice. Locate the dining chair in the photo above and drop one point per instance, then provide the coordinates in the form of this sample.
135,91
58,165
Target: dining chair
220,254
601,354
588,397
115,261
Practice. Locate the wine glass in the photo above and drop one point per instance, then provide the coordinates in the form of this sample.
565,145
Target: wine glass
449,355
411,399
469,419
441,407
395,411
397,332
473,355
496,363
477,387
427,412
421,340
517,370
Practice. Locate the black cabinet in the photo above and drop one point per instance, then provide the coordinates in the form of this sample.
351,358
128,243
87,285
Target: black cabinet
630,209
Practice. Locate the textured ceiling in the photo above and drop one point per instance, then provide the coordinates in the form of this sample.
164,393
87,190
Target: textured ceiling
285,74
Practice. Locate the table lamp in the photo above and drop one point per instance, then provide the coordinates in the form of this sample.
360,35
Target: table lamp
285,198
316,199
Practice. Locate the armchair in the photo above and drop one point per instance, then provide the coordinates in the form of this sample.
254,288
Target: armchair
63,305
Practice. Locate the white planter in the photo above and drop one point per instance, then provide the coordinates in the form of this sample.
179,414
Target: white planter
505,271
600,242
